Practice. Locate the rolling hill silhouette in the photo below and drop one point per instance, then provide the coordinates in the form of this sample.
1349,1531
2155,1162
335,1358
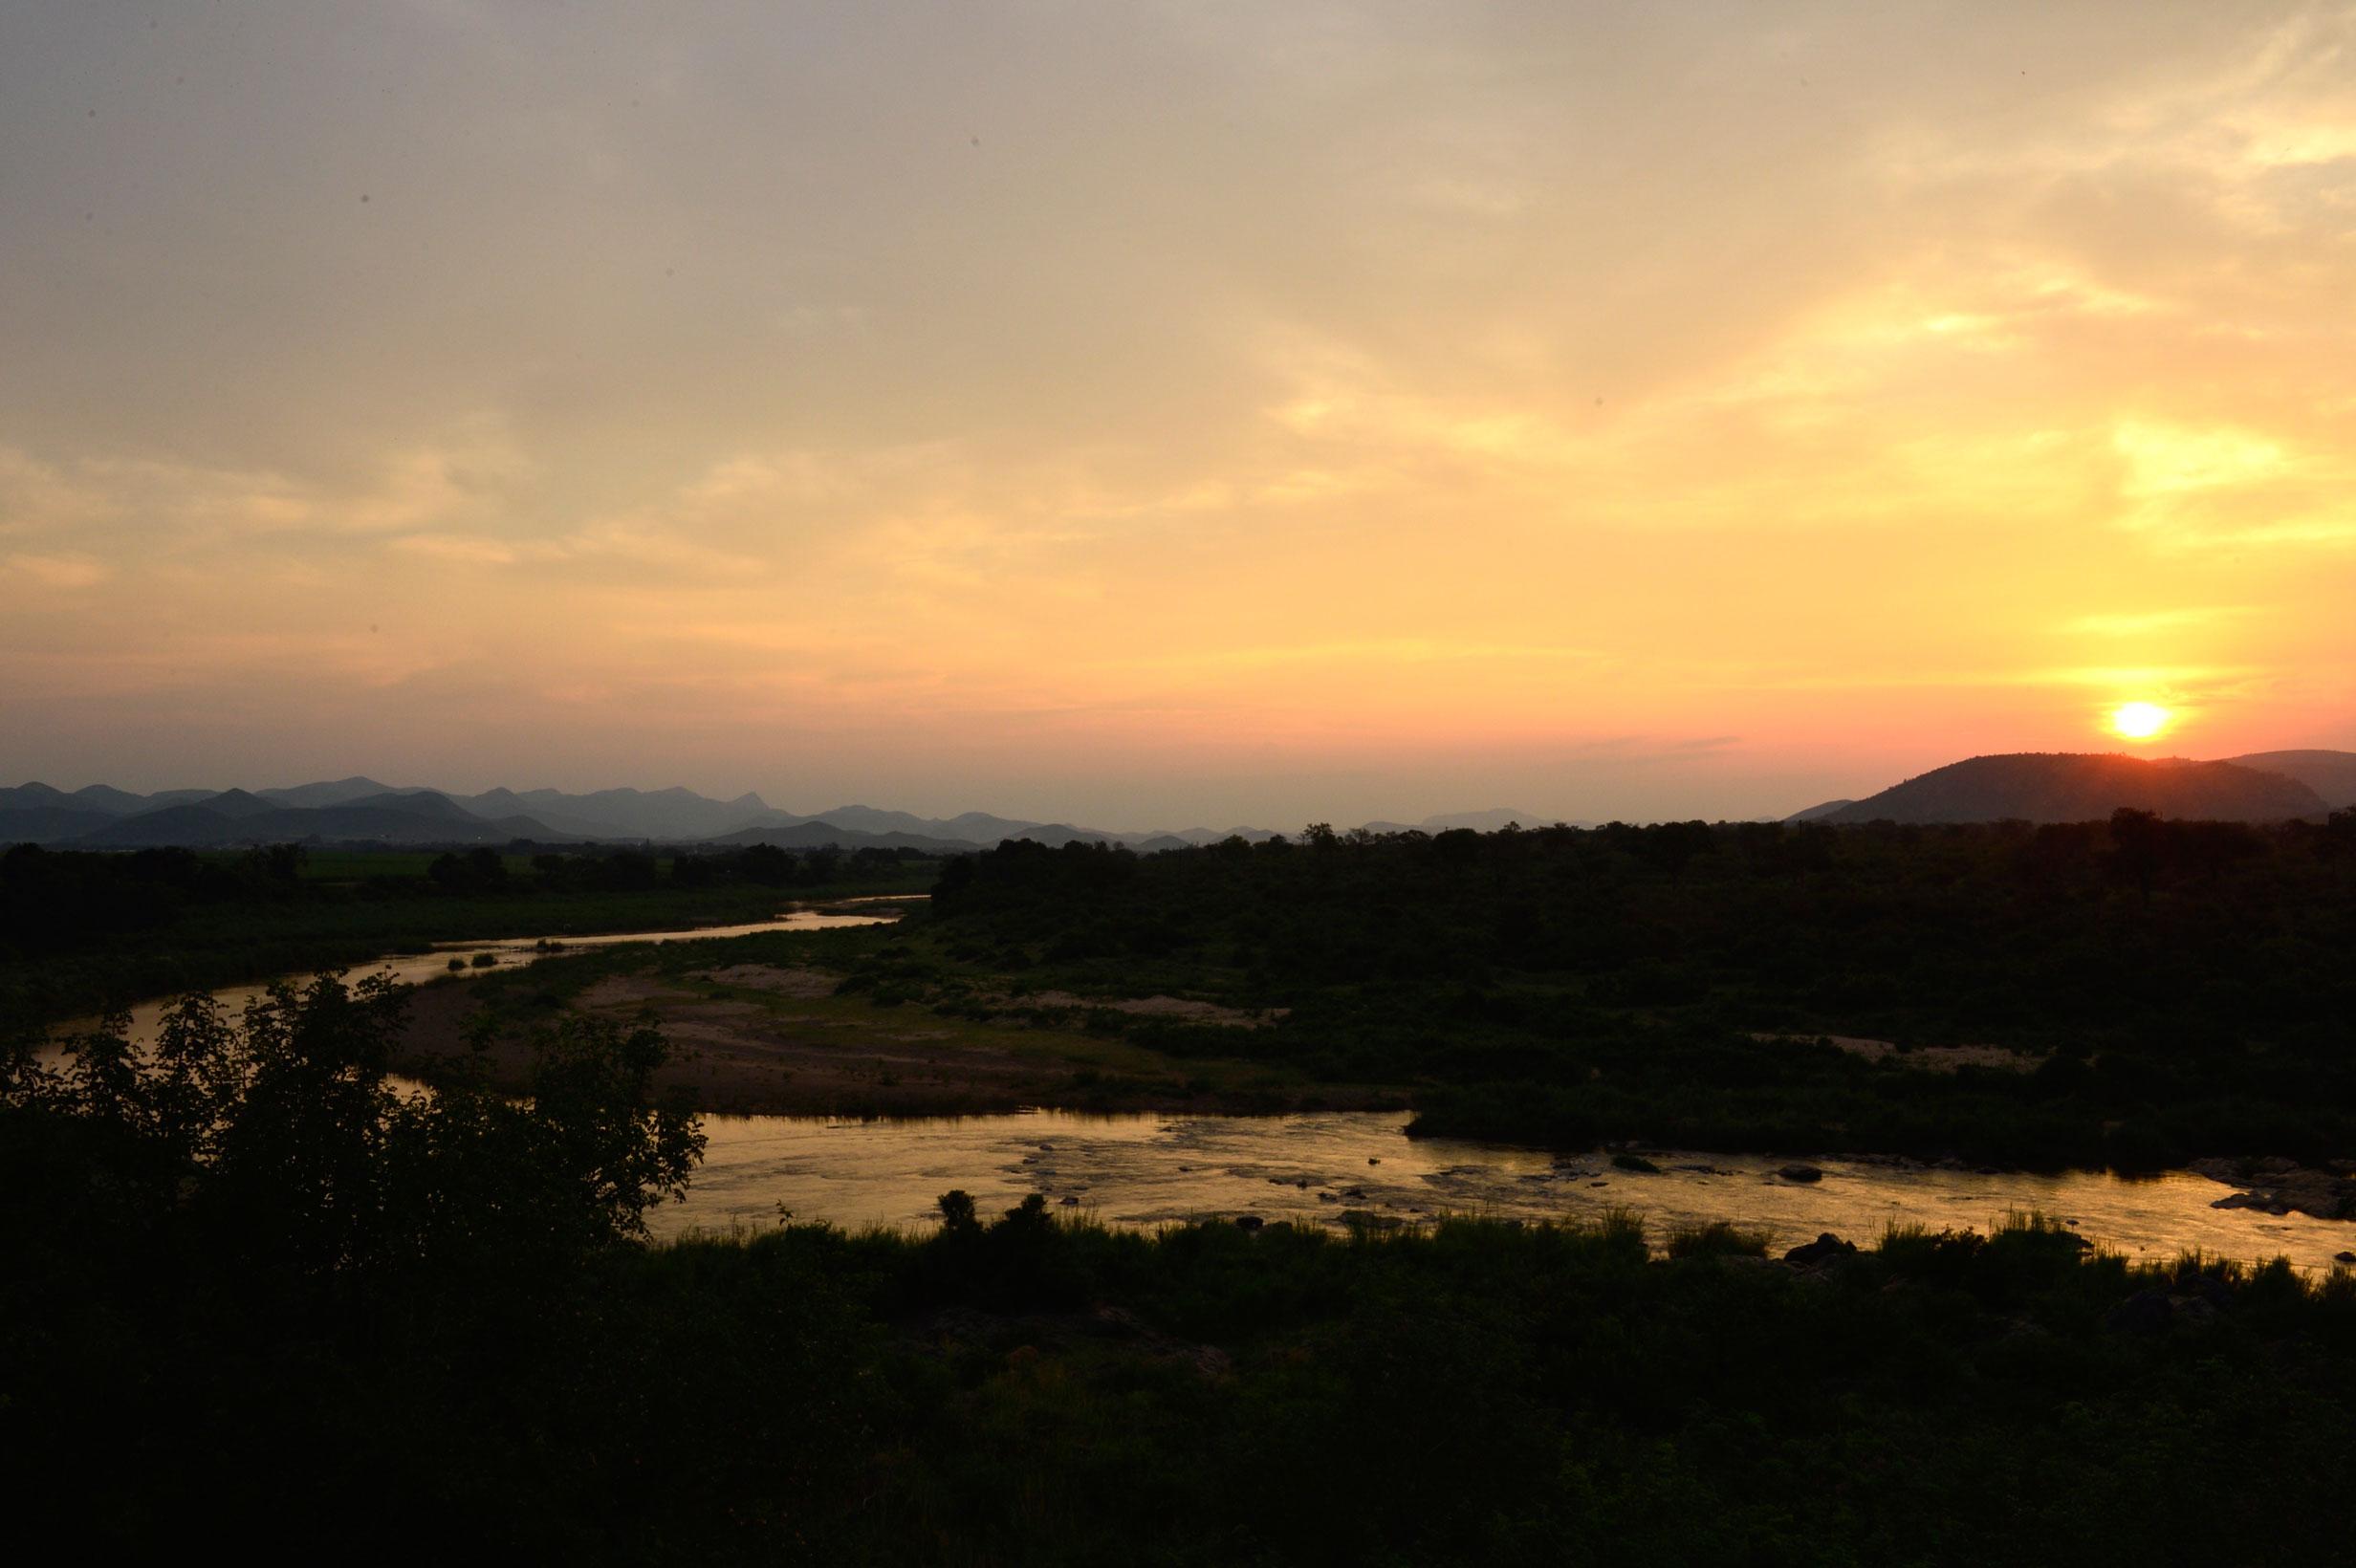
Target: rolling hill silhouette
235,817
2078,787
2332,775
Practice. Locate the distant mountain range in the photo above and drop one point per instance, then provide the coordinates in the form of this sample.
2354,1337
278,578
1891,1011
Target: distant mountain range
2264,785
99,817
365,810
2077,786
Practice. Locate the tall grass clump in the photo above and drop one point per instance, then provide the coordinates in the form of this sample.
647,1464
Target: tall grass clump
1718,1238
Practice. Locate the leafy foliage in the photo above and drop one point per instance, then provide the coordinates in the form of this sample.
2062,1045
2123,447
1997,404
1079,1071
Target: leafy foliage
2180,988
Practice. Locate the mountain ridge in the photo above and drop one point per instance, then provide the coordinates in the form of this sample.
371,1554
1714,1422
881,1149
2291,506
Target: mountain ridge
2083,786
2306,783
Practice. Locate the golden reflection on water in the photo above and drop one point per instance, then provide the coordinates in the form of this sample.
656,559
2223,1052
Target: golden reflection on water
1150,1170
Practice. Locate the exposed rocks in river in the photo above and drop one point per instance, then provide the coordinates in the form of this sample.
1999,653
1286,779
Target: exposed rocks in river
1800,1173
2280,1186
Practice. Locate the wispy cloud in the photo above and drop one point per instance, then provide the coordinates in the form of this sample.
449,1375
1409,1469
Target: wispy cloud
1234,383
63,573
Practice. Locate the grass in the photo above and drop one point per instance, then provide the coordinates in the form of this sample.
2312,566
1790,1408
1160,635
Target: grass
1718,1238
1094,1067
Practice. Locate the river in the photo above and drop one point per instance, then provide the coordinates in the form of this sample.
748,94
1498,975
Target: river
434,964
1151,1169
1148,1170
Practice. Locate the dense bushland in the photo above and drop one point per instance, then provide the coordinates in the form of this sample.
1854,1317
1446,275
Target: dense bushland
254,1293
2179,988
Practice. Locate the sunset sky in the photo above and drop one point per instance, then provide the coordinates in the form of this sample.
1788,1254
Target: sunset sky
1151,415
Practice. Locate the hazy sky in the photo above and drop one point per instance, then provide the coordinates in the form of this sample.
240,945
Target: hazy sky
1162,414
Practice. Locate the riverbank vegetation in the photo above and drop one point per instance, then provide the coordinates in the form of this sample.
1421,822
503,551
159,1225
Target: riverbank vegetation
2135,992
253,1292
798,1023
82,931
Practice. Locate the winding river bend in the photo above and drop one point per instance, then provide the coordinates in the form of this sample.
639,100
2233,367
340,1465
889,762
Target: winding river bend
1148,1170
434,964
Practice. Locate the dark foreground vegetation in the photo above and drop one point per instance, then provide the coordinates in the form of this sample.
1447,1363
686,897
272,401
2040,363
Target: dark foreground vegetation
81,932
254,1296
2161,989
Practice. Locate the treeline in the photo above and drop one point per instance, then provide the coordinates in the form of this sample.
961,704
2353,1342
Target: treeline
54,900
2179,988
634,871
251,1291
81,930
51,900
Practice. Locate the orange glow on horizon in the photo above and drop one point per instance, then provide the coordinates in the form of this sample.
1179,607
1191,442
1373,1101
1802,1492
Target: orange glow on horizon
1383,418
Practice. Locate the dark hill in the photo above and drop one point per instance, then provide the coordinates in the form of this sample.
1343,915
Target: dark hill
202,827
188,826
36,796
429,804
505,802
340,792
674,812
811,834
2332,775
240,803
1820,812
114,802
2079,787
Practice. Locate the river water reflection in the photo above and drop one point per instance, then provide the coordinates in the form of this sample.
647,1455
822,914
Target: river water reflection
1148,1170
1144,1170
434,964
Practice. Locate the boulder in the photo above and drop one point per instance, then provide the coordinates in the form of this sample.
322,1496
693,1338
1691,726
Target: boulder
1636,1162
1824,1249
1800,1173
2193,1302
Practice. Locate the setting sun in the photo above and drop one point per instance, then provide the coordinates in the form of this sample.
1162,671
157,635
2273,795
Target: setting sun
2139,721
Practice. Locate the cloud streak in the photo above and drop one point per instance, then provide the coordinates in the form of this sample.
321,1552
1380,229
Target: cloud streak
1144,402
